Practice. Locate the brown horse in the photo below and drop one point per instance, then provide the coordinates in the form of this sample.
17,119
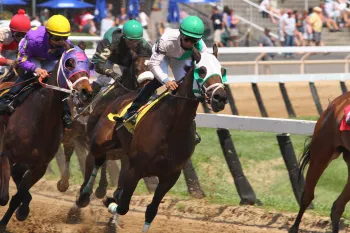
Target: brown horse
134,78
163,141
34,132
327,143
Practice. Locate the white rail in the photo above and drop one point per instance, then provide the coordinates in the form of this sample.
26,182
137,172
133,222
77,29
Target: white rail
272,125
252,50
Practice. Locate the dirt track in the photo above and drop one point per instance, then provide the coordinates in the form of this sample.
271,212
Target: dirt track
49,211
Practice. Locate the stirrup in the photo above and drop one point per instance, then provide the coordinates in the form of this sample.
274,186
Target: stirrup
198,138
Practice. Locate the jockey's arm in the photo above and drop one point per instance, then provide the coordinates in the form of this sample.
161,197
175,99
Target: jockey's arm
25,54
3,60
155,61
101,56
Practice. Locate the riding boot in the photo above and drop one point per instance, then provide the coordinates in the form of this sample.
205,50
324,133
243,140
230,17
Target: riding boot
141,99
7,98
67,117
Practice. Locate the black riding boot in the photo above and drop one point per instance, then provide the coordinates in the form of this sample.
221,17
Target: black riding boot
7,98
67,116
141,99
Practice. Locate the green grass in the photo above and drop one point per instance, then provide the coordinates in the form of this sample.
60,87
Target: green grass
263,166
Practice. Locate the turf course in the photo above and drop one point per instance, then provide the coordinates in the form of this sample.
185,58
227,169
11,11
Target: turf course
262,164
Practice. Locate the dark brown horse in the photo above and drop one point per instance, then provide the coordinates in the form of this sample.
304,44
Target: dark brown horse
34,133
134,78
163,141
327,143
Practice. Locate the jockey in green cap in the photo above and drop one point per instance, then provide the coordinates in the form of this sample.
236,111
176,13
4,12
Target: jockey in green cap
115,49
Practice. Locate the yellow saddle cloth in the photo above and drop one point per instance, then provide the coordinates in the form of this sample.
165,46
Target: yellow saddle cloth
142,111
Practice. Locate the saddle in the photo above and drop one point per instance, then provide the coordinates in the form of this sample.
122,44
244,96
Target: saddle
140,113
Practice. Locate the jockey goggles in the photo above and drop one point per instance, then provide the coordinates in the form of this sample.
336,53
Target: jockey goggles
58,38
190,39
18,35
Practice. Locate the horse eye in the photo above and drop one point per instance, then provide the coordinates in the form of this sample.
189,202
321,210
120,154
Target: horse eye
202,72
70,64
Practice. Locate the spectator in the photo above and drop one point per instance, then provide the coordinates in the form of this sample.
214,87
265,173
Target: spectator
316,24
328,21
288,27
265,5
307,29
144,22
233,28
44,17
267,41
89,26
106,23
35,21
298,35
218,26
281,38
122,18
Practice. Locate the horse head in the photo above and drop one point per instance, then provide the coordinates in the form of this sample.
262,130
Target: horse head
210,76
74,72
141,71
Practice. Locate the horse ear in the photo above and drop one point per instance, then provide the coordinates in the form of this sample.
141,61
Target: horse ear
67,46
196,54
82,45
215,50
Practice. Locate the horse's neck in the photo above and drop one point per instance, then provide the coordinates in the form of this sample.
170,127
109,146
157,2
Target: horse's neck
187,104
129,79
186,88
52,80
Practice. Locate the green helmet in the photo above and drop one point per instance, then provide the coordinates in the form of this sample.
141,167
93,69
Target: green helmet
133,30
192,26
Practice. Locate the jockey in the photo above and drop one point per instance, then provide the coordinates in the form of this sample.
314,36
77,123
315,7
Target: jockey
11,36
38,53
115,49
174,49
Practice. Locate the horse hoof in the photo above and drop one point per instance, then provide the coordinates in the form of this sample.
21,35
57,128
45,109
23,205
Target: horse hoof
4,201
62,185
22,212
293,230
2,228
83,200
100,192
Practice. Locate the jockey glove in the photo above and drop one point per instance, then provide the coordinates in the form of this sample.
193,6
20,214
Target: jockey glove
117,77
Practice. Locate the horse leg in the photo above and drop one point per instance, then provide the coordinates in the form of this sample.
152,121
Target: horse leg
165,184
90,177
81,150
29,179
102,186
131,180
63,184
342,200
319,160
17,173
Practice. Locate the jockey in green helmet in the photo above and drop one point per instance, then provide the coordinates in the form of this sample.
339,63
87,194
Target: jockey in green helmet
173,49
115,49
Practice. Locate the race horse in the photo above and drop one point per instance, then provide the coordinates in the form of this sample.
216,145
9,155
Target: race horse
327,143
134,78
34,131
163,140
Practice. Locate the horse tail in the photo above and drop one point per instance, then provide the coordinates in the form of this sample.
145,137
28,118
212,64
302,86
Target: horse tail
5,172
305,157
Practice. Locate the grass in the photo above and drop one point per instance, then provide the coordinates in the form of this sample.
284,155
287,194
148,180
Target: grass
263,166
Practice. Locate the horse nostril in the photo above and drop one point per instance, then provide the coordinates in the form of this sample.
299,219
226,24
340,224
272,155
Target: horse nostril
216,97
